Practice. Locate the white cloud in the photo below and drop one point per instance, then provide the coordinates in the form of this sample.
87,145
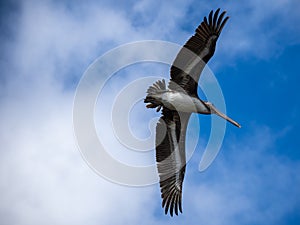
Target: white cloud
43,177
44,180
249,183
259,29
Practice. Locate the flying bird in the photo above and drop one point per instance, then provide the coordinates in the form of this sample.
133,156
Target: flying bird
178,101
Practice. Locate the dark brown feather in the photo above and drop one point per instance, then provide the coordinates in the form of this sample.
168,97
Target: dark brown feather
170,176
215,18
202,44
210,20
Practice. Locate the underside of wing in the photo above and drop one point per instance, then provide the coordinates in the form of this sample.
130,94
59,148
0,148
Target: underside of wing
196,52
170,157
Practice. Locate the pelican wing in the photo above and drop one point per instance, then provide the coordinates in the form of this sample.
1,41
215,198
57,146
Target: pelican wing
196,52
170,157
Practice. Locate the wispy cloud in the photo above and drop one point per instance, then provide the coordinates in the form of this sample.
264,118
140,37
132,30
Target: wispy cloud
44,180
248,183
260,29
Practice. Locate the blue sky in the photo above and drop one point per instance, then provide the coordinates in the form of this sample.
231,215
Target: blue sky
47,45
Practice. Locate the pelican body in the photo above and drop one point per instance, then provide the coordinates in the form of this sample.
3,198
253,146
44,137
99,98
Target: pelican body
178,101
175,100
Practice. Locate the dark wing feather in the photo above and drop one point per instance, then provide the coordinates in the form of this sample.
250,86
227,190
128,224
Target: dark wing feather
196,52
170,157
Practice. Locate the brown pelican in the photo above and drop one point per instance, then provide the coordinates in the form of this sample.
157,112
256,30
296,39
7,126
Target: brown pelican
178,101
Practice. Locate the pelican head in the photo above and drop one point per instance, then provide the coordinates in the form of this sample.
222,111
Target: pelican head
214,110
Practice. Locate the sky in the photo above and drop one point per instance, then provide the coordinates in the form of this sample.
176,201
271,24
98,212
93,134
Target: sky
46,46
